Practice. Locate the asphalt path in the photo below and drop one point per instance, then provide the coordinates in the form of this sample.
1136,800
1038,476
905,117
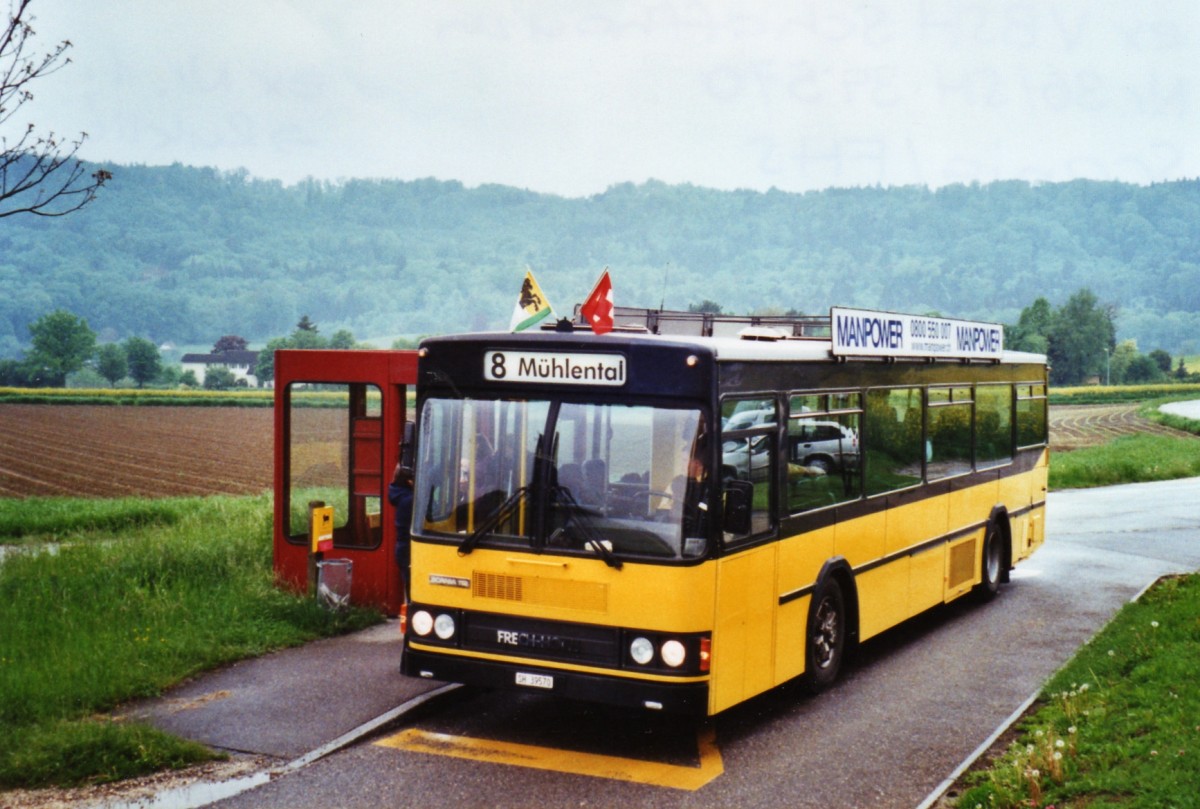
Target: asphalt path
1188,410
911,706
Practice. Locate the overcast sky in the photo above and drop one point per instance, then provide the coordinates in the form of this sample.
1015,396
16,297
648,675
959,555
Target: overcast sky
571,97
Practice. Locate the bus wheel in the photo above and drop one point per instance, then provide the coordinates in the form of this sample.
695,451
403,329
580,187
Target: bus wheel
825,643
993,563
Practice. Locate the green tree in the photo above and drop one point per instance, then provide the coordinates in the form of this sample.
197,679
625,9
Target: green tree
1080,333
1032,331
188,378
1143,370
39,173
62,343
14,373
111,363
218,377
264,366
1162,359
145,363
342,338
306,335
707,306
229,342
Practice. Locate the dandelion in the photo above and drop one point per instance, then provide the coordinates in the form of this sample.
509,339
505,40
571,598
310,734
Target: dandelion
1111,653
1154,624
1153,753
1071,730
1083,688
1057,756
1060,744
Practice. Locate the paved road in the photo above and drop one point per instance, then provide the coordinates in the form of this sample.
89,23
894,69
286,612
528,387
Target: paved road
912,706
1188,410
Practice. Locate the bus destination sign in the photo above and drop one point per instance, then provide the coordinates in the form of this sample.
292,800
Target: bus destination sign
861,333
554,368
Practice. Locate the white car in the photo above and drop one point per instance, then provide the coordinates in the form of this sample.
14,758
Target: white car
826,446
745,419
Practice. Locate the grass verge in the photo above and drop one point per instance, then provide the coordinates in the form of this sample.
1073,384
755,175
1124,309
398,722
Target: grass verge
1119,725
1128,459
104,618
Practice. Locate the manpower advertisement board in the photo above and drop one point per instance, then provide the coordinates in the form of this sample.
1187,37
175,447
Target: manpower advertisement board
864,333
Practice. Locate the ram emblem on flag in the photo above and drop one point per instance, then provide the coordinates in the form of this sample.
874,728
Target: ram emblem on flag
532,307
598,308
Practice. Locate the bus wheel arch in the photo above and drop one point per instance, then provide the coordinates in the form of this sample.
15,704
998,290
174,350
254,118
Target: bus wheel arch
831,629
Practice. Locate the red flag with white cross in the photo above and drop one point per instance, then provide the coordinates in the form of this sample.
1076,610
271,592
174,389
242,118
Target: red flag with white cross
598,308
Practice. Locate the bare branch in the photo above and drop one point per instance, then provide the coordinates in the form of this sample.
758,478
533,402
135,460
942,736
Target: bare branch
40,175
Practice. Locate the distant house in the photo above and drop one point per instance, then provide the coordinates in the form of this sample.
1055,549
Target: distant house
241,363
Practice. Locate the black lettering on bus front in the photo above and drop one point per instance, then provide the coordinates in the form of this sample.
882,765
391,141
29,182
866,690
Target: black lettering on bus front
498,369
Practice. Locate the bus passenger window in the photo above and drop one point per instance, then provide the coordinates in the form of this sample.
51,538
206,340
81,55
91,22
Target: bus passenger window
823,450
993,425
948,445
893,439
1031,415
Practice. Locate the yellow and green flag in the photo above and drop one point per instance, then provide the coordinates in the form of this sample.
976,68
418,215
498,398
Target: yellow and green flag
532,307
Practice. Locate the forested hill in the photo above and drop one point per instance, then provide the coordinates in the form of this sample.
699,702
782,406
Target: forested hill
189,254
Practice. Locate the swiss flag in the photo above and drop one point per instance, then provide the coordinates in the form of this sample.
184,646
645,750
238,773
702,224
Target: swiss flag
598,308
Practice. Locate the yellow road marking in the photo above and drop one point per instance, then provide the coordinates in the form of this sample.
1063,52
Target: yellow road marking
545,758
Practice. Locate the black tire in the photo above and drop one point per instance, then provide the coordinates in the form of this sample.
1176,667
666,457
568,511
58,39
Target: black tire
825,639
991,563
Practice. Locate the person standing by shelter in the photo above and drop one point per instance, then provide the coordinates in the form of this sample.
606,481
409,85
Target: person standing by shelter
400,495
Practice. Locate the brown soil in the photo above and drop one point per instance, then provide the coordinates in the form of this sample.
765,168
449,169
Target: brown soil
108,451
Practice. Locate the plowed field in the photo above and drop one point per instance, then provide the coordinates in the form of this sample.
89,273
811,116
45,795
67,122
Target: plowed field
1077,426
159,451
100,451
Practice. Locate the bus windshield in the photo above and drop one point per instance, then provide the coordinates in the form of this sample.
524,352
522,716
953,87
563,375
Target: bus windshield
608,480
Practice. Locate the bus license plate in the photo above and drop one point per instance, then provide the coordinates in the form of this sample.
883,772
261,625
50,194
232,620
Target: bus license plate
535,680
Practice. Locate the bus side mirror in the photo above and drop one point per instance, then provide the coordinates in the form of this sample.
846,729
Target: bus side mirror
739,494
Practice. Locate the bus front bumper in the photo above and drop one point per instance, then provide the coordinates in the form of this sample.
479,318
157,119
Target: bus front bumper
690,698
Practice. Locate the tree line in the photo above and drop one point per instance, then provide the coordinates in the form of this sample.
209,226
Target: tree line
1078,338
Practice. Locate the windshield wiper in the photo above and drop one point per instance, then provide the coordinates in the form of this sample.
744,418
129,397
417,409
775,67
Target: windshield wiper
591,539
502,512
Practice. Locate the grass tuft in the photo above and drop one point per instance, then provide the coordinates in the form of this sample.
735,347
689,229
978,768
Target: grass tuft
92,751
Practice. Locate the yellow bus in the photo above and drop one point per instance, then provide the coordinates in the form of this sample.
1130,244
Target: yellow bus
692,509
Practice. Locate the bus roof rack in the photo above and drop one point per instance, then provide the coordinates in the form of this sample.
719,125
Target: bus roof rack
707,324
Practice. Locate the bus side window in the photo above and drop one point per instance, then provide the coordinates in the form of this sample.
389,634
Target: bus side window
893,446
993,425
749,457
823,450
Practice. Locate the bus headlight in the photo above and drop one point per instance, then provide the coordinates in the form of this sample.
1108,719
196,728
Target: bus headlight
443,626
422,622
673,653
641,650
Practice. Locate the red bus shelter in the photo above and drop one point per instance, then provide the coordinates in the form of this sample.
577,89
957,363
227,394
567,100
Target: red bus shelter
339,424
